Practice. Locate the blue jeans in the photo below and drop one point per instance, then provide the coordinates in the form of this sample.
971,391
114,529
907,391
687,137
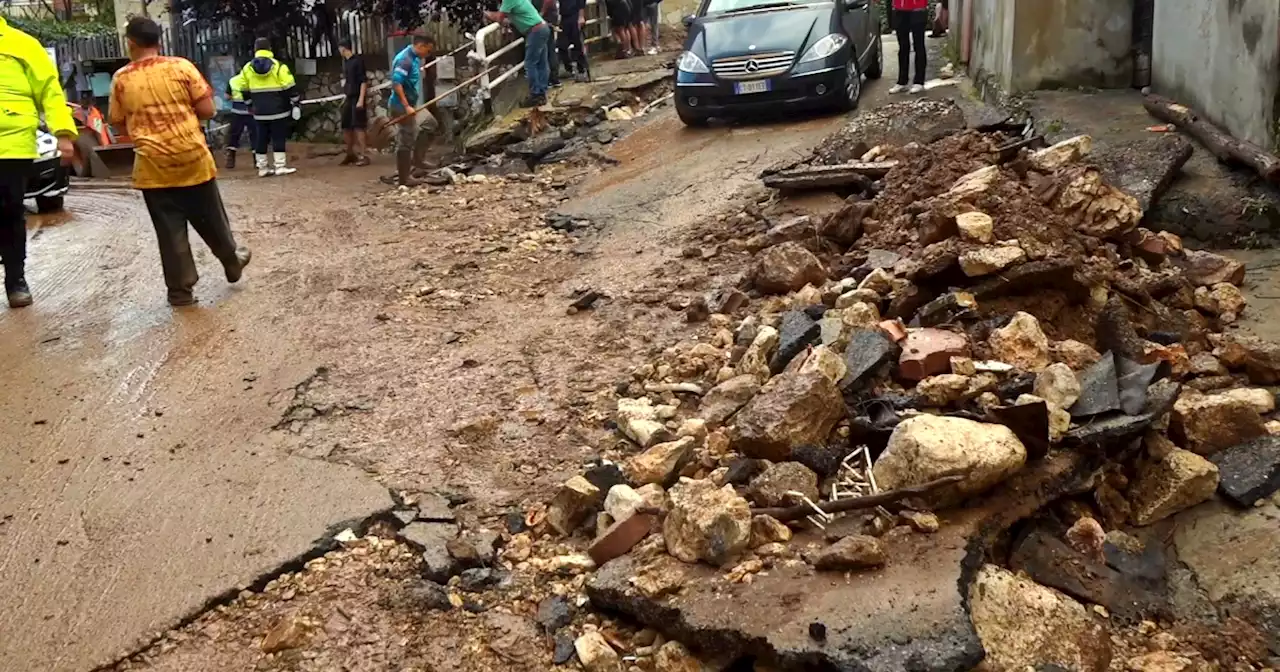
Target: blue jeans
535,59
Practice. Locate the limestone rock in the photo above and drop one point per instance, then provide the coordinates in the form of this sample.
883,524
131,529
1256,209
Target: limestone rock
1077,355
927,352
575,500
943,389
638,420
860,316
1058,385
988,260
674,657
1021,343
1261,400
1206,268
853,552
755,361
976,227
1099,209
1220,300
826,361
921,521
928,447
771,486
1205,424
768,530
1260,359
289,632
786,268
1205,364
622,501
596,655
725,399
661,463
1179,481
706,523
1024,625
792,410
1064,153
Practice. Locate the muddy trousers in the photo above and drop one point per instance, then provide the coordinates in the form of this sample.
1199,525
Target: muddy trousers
172,209
910,29
13,218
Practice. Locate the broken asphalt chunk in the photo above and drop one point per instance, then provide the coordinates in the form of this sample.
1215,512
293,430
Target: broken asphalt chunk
1115,428
796,332
1249,471
1099,389
868,350
1050,561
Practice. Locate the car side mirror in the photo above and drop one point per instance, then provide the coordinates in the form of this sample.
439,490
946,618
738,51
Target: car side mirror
851,5
687,21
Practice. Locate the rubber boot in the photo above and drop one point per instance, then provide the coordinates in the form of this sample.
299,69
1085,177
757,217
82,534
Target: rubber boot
282,167
404,169
264,170
231,158
236,271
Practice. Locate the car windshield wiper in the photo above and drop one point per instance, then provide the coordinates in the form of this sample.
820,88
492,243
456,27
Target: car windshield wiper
767,5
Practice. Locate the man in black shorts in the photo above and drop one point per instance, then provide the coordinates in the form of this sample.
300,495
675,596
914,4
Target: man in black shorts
355,118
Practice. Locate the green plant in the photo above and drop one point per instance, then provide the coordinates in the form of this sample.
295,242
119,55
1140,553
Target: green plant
1054,126
53,30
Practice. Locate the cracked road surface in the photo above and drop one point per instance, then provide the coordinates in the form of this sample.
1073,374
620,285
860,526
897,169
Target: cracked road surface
142,478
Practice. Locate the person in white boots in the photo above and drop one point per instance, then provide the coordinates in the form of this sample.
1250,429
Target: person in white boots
274,95
910,19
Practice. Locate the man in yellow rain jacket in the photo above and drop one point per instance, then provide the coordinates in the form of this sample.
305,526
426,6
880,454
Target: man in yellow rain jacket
241,119
273,95
29,88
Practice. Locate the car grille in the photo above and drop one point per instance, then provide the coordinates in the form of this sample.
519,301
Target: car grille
755,66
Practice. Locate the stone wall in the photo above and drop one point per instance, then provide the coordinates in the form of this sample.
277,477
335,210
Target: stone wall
322,122
1223,59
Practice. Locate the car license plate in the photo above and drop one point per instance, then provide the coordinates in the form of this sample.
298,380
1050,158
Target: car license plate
760,86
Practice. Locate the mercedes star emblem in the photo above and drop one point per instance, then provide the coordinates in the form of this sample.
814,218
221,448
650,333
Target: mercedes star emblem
752,66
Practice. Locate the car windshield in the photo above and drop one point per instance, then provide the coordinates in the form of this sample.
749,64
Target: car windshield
729,6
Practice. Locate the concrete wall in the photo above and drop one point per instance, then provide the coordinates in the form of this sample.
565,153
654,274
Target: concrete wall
991,55
1068,43
1035,44
1222,58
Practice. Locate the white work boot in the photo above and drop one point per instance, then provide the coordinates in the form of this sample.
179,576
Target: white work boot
281,167
260,160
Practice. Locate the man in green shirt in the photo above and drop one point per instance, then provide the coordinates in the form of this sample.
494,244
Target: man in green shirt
537,36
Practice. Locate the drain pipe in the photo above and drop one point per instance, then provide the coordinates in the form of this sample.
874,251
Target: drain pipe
966,32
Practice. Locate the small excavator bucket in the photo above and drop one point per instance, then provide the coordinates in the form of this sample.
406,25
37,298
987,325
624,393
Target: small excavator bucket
118,159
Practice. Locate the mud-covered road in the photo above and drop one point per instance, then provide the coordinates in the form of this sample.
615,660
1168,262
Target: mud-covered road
157,460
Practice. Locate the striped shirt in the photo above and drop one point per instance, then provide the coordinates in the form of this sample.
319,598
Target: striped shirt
154,99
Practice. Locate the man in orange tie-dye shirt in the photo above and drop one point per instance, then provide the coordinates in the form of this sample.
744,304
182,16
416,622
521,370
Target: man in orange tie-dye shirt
161,100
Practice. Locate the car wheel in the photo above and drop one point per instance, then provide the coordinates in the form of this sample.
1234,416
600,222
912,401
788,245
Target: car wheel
852,90
47,204
876,69
690,118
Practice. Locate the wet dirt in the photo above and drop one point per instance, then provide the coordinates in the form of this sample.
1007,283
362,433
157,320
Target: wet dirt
165,457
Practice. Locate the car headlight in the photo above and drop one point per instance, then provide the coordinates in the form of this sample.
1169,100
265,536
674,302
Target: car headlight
824,47
689,62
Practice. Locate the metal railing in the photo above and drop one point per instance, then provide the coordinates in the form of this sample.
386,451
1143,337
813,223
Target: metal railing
485,60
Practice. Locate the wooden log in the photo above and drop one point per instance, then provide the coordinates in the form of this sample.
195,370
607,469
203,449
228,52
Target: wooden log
788,513
1223,145
857,174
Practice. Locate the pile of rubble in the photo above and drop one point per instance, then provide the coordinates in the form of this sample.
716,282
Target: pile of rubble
890,389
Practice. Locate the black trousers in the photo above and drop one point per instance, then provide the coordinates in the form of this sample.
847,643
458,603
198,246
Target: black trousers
570,42
13,218
910,27
272,135
553,59
172,209
241,124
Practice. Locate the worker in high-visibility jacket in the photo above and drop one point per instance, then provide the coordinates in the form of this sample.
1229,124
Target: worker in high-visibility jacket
29,88
241,119
274,97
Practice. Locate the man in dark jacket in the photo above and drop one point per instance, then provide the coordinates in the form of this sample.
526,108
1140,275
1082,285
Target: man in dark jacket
273,95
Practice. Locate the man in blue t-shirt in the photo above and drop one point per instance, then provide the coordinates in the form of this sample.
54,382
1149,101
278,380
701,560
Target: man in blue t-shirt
406,73
537,36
